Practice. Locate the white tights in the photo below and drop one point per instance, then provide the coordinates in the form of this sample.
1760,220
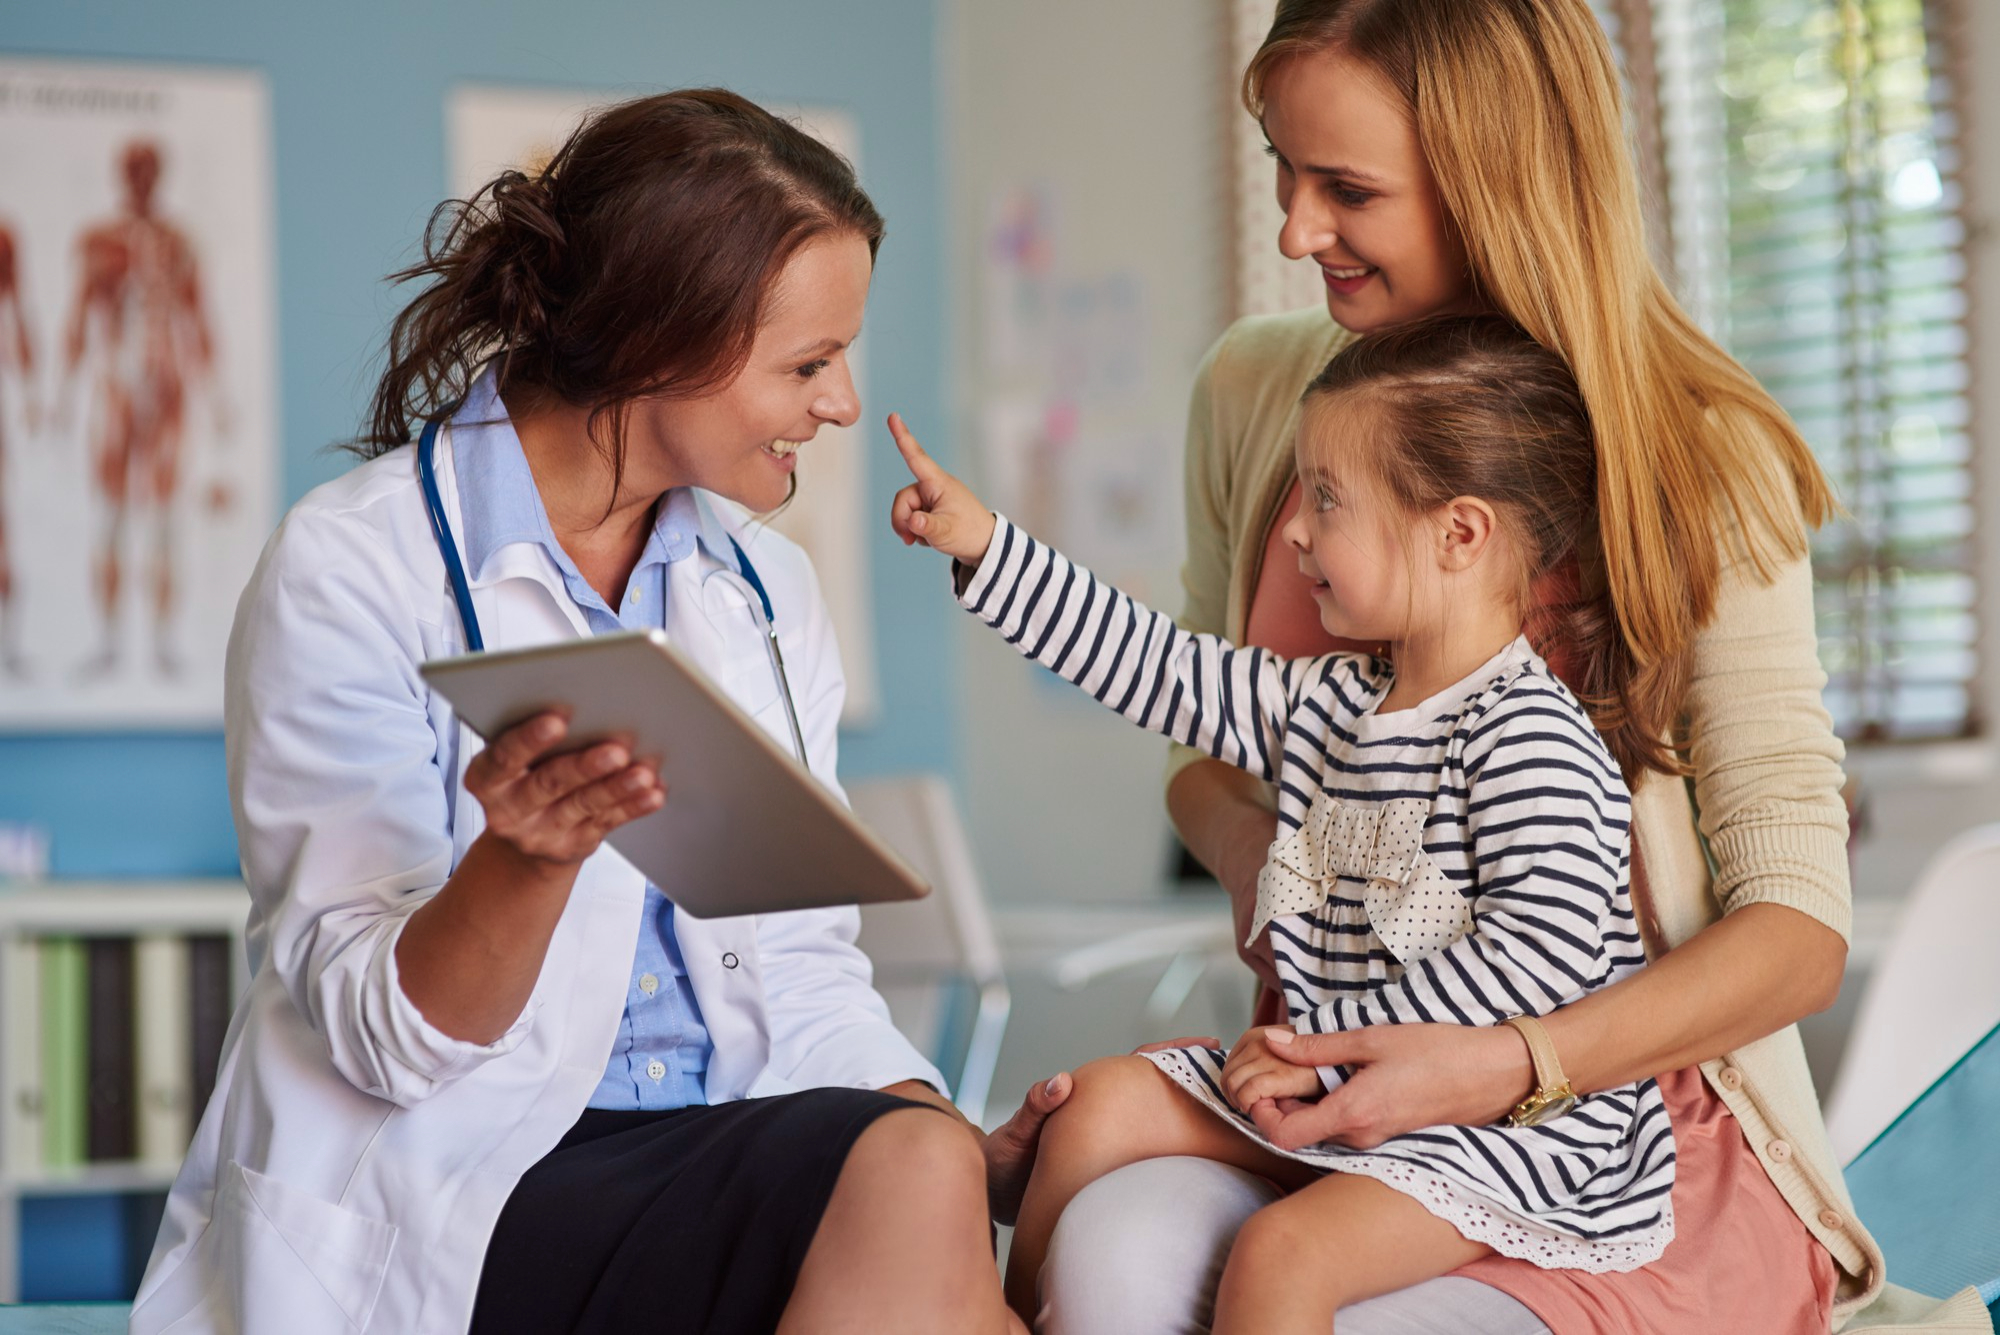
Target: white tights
1140,1251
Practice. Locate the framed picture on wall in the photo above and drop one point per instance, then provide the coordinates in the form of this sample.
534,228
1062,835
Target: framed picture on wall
138,387
490,128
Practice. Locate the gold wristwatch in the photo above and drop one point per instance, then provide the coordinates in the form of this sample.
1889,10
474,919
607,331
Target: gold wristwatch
1552,1095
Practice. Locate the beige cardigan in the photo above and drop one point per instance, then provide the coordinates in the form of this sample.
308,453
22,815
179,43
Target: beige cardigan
1767,774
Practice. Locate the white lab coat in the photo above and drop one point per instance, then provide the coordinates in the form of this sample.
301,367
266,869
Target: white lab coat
349,1170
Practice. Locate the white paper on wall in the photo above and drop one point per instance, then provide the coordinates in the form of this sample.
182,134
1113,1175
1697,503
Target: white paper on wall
138,391
1068,445
489,129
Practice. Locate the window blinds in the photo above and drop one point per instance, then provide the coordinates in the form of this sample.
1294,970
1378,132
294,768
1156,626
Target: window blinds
1812,162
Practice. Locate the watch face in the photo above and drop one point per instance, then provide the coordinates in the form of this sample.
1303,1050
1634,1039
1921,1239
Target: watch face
1555,1107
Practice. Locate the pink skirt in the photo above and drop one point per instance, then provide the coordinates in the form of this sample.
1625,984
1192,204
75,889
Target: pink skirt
1741,1263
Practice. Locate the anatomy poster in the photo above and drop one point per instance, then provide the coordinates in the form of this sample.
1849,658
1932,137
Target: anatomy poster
489,129
138,416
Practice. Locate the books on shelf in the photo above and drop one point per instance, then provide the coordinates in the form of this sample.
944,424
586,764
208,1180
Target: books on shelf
110,1122
111,1045
166,1064
65,991
208,1018
21,1032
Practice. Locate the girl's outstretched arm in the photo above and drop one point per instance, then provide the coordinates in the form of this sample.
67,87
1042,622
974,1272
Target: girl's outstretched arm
1196,689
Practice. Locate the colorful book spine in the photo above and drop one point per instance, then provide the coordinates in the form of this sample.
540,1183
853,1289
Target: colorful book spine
111,1128
160,991
208,1014
65,1092
21,1100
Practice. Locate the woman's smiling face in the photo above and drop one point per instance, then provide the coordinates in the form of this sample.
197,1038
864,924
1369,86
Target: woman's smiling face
1358,195
742,441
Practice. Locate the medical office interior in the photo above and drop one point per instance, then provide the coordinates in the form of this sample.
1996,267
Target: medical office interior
1077,207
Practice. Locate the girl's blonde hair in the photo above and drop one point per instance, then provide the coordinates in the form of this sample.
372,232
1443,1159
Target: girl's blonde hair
1517,110
1469,405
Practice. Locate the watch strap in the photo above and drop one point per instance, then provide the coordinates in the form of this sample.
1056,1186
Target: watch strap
1549,1075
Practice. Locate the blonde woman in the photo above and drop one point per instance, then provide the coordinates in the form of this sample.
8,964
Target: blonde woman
1441,155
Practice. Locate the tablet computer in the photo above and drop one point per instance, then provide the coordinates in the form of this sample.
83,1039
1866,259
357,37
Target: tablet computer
745,828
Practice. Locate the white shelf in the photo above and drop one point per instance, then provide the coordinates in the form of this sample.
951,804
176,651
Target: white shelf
122,908
91,1179
96,909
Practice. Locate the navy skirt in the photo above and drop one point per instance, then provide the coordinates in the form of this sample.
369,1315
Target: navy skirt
697,1219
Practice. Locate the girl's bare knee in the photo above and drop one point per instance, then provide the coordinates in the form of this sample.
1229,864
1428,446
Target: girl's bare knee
1112,1096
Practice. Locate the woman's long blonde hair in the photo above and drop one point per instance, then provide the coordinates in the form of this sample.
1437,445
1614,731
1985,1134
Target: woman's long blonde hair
1517,110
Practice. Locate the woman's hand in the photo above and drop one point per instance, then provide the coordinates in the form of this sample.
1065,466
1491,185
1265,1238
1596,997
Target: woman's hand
937,509
1010,1148
554,810
1406,1076
1242,861
1216,810
468,958
1256,1072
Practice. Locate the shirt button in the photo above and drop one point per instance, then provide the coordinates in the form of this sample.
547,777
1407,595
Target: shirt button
1781,1150
1831,1218
634,595
1730,1078
648,984
656,1068
729,961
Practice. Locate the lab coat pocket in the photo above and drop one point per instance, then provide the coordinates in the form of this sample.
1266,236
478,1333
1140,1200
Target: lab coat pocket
296,1263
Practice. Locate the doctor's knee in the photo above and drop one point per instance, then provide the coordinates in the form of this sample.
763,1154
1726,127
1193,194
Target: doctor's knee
917,1155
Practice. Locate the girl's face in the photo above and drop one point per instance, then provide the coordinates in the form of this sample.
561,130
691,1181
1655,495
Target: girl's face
1358,195
1354,541
742,440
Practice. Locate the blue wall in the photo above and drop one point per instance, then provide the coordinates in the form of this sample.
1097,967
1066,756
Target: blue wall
357,93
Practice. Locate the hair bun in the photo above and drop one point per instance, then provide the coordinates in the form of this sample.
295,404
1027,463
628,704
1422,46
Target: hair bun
528,246
525,204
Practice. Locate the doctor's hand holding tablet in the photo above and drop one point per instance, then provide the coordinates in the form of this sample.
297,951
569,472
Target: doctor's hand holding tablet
550,808
710,847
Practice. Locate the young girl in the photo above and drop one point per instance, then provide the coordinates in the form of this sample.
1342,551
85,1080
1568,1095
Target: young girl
1452,828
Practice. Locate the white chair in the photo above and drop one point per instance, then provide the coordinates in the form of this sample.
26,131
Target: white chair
1203,950
937,960
1934,993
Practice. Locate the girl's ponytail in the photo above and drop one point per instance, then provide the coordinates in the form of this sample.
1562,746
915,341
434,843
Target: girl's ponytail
1583,641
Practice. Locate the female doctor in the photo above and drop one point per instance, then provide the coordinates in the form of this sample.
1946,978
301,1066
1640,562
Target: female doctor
484,1076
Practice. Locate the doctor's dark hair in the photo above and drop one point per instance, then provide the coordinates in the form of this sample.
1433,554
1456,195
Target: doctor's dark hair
1470,405
637,263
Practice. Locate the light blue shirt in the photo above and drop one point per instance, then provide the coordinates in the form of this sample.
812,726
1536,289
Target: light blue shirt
662,1048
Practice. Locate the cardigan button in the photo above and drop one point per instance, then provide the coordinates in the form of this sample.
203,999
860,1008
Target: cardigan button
1781,1150
1831,1218
1730,1078
729,960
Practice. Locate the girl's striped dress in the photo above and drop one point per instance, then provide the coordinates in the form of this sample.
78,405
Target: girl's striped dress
1462,860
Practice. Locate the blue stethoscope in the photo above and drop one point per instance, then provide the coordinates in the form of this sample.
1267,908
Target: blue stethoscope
461,591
